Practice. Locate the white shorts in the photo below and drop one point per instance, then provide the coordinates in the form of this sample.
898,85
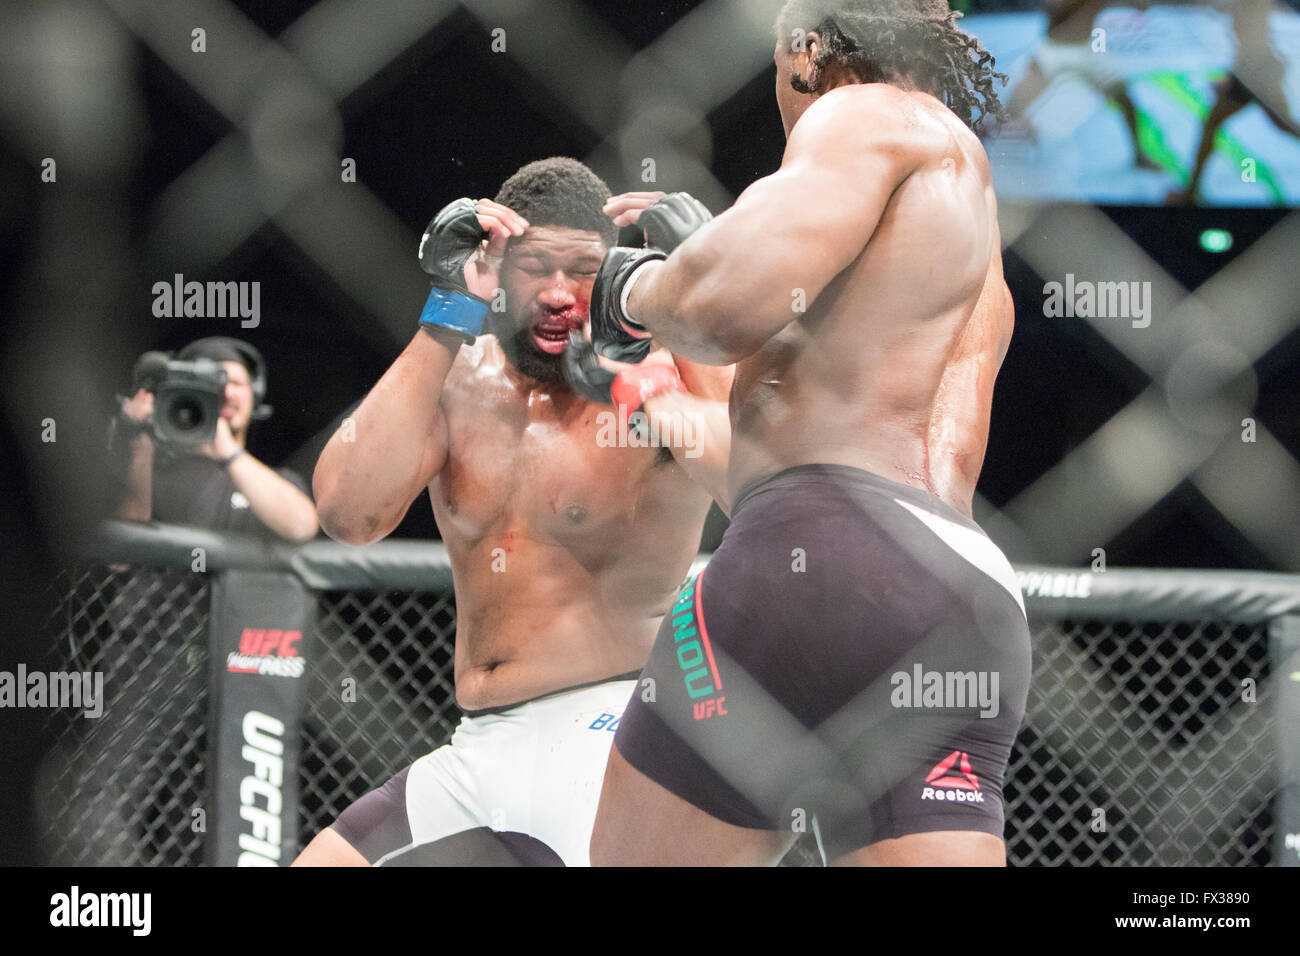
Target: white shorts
1103,70
515,786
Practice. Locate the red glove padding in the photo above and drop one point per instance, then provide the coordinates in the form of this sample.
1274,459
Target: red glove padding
633,387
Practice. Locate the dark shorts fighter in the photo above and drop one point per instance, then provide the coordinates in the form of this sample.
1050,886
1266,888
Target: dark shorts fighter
855,655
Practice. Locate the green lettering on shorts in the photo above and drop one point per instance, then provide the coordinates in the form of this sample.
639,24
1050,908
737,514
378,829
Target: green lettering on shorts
689,653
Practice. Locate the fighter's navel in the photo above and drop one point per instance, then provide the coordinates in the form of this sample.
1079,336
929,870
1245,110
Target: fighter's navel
576,514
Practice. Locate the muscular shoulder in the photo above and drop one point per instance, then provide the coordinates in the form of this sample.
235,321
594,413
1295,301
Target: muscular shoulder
880,120
864,117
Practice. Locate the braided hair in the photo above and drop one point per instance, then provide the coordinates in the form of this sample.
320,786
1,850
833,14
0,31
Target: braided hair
913,44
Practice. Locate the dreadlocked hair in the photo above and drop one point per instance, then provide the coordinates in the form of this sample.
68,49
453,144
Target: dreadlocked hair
913,44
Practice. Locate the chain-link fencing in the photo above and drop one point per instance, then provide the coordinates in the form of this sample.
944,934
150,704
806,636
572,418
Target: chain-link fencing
1149,739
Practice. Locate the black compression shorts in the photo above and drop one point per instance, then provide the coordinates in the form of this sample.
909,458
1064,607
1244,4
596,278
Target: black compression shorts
855,654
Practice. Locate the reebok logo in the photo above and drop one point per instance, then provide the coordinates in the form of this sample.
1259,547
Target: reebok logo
963,786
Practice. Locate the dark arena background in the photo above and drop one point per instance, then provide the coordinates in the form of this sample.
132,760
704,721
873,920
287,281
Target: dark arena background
1143,468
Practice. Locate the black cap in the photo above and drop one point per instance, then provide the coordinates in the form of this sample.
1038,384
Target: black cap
217,350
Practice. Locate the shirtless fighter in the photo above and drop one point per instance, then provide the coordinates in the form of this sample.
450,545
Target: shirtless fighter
786,670
566,549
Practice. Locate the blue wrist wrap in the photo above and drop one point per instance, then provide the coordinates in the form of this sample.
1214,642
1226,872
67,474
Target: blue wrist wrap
456,311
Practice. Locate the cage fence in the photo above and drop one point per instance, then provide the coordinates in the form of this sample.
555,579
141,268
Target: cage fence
1150,736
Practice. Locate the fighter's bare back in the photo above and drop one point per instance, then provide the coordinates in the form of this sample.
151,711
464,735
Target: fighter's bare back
892,367
565,554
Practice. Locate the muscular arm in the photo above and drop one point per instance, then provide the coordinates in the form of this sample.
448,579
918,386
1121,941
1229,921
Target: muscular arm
706,450
274,499
734,283
369,474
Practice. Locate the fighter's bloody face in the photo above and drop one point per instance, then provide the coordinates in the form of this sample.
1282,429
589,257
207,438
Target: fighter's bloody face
547,275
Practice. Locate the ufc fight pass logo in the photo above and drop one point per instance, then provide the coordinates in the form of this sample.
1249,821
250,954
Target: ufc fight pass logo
267,652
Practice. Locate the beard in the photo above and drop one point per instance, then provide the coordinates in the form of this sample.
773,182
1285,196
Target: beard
528,360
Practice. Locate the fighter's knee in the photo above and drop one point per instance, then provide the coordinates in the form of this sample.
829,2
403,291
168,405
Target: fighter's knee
933,848
599,850
330,849
596,852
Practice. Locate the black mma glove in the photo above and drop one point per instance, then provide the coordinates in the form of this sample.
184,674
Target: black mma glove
614,335
629,389
667,224
452,238
672,220
584,372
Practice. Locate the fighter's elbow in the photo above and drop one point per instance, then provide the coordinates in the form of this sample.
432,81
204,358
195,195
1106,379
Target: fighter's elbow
724,344
349,528
730,349
331,511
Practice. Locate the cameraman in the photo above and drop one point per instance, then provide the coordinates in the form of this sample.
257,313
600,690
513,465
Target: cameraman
217,485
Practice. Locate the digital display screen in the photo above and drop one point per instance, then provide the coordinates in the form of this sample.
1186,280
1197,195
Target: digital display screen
1114,107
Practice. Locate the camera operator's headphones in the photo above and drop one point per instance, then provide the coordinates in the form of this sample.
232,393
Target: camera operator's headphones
250,357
